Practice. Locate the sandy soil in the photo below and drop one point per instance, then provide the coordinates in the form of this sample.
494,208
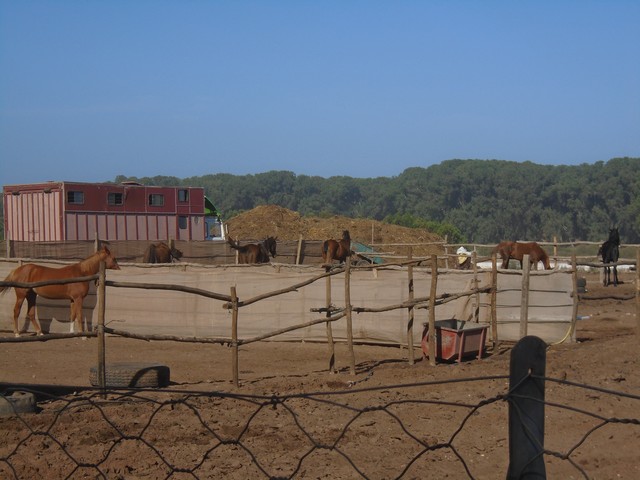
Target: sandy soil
290,417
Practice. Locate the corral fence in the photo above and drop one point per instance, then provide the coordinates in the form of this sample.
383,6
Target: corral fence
525,396
301,251
332,434
330,313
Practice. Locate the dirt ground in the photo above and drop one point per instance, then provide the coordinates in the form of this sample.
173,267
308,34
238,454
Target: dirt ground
290,417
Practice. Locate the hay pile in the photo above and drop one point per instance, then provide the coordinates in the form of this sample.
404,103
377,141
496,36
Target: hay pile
266,220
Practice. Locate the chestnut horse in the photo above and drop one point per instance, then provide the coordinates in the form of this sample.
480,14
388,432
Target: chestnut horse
517,250
337,249
255,253
610,251
161,253
31,273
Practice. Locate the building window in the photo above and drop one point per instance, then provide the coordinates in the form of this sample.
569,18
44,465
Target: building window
75,197
183,195
114,198
156,200
182,222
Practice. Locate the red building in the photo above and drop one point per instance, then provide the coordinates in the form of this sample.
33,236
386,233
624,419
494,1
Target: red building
59,211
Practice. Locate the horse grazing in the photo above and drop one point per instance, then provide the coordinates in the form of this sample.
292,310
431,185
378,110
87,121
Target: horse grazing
31,273
610,251
517,250
337,249
161,253
255,252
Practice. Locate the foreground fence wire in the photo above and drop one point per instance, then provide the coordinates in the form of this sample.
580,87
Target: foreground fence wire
412,430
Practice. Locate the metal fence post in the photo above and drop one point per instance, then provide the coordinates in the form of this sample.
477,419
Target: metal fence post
526,410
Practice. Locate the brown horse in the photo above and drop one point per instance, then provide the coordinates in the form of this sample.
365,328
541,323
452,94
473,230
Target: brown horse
161,253
255,252
337,249
517,250
31,273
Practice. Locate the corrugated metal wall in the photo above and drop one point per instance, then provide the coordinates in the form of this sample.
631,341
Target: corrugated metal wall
31,216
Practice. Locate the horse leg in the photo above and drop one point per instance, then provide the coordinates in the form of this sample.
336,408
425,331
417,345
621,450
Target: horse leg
20,296
615,276
31,311
76,314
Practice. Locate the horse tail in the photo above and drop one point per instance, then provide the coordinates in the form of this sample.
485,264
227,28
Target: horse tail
149,254
325,247
9,278
545,259
233,244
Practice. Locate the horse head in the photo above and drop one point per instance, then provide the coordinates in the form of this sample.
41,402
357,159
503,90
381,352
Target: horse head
107,257
346,236
175,253
614,236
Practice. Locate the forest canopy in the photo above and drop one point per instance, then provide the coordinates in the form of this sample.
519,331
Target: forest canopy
479,201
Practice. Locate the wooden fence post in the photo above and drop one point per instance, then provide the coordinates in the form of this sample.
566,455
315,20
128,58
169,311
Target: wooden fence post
476,281
234,336
526,410
574,278
446,252
524,303
348,309
101,292
411,310
330,344
432,310
299,252
494,300
638,290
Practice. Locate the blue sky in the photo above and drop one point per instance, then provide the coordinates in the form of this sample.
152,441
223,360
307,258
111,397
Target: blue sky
90,90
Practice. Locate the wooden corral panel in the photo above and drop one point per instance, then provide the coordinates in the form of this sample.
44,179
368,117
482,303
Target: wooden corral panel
182,314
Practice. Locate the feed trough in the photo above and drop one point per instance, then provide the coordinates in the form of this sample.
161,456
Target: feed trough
456,339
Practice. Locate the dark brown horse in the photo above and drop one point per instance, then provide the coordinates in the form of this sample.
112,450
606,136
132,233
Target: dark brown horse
610,251
517,250
255,252
31,273
161,253
337,249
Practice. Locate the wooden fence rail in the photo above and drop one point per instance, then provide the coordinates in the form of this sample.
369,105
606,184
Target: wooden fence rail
333,314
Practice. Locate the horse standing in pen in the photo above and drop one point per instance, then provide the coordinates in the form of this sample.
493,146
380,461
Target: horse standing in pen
255,253
517,250
610,251
336,249
75,292
161,253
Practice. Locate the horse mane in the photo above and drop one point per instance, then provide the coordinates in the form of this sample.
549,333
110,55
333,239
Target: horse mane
92,262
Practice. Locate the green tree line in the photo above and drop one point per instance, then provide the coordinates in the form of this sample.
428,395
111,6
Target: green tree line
479,201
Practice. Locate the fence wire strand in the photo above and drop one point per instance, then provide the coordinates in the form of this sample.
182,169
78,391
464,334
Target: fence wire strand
209,443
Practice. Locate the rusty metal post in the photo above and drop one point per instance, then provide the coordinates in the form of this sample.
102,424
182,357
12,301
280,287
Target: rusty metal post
526,410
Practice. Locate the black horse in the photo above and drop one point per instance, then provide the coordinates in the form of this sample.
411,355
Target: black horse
610,251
